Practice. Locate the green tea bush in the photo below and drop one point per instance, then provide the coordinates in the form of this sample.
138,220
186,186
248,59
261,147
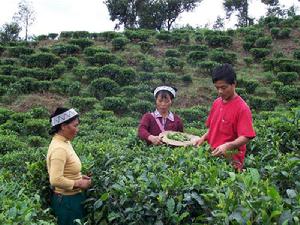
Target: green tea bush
129,90
41,60
247,45
4,115
59,87
2,49
146,47
36,127
276,85
284,33
109,35
248,60
66,34
7,80
111,71
259,53
207,67
172,53
7,69
24,85
41,37
220,56
164,36
3,90
199,38
263,42
37,141
196,56
145,76
40,74
82,42
194,114
8,61
103,87
140,107
74,88
43,86
80,72
174,63
139,34
58,70
19,206
296,54
53,36
249,85
101,59
80,34
119,43
287,77
45,49
187,79
116,104
147,65
83,104
266,104
242,92
70,62
65,49
165,77
275,32
128,76
10,143
288,92
17,51
39,113
91,51
278,55
218,41
177,38
89,73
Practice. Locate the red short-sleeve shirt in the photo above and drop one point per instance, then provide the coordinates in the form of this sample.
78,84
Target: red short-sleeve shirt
228,121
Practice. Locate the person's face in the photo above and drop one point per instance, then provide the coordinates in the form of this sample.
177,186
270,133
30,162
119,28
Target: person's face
70,130
163,104
225,91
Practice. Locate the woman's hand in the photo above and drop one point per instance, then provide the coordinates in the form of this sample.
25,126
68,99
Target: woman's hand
156,140
84,183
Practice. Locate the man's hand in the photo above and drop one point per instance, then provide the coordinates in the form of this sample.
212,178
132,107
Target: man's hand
221,149
199,141
156,140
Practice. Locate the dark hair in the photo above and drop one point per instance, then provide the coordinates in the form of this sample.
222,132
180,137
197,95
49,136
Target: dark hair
224,72
57,128
165,93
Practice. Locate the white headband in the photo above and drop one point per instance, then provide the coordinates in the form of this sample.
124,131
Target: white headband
63,117
164,88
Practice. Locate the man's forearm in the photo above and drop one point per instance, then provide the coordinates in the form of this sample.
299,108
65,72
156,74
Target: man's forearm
242,140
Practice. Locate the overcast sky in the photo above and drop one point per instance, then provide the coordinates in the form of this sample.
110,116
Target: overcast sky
92,15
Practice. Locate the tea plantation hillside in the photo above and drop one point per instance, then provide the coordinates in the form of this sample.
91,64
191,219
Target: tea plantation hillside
108,78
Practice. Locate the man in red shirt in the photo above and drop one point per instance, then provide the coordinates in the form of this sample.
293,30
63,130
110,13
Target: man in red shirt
229,121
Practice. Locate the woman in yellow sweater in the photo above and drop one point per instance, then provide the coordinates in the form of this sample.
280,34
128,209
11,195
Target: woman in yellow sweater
64,168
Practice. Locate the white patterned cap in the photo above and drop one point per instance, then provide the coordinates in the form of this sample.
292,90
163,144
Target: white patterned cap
59,119
164,88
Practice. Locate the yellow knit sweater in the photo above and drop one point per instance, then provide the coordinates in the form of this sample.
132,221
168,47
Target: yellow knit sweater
63,165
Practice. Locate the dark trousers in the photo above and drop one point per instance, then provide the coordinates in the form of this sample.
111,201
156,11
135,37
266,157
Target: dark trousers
68,208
